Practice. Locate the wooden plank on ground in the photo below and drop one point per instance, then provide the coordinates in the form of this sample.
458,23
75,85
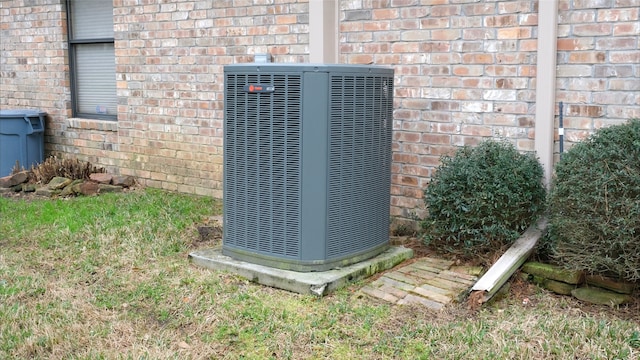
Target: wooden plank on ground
438,290
446,284
451,276
460,275
379,294
412,299
425,267
395,283
393,291
509,262
475,271
376,283
436,263
421,275
404,278
431,295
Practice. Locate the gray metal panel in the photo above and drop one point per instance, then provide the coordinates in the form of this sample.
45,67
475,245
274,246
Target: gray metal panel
262,164
359,162
314,166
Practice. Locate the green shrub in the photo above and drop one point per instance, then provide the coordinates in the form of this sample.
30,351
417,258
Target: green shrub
482,198
594,204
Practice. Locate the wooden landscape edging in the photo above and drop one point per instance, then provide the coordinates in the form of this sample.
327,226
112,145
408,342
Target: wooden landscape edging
509,263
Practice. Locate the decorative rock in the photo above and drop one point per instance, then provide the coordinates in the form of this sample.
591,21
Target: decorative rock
13,180
553,272
87,188
123,180
600,296
45,191
58,183
17,188
105,188
76,189
610,284
101,178
28,187
557,287
68,190
20,177
5,182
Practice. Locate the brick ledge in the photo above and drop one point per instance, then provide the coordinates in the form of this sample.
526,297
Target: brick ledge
92,124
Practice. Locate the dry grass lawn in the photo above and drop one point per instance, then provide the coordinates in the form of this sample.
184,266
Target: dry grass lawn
108,278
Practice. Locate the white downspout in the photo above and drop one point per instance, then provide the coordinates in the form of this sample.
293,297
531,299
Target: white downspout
546,85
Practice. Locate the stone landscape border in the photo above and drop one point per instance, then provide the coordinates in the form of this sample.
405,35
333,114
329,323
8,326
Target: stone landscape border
65,187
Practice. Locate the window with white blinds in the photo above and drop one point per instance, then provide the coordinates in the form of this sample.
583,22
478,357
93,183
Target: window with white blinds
92,57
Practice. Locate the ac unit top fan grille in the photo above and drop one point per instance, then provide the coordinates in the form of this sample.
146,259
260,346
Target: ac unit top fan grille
307,163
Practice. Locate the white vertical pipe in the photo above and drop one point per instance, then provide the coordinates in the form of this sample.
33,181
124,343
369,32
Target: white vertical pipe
546,84
323,31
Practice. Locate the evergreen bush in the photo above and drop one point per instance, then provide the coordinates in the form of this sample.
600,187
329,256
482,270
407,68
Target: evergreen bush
594,204
482,198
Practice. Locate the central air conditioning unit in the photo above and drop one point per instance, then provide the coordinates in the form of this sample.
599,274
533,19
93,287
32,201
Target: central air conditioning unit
307,164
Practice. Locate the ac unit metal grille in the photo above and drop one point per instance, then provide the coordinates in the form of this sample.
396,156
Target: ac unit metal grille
360,123
263,164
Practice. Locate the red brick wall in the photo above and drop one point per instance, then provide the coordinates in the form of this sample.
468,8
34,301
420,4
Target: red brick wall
598,64
169,59
33,60
465,70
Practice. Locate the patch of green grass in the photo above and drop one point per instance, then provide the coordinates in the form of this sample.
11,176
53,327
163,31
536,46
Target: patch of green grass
108,277
634,340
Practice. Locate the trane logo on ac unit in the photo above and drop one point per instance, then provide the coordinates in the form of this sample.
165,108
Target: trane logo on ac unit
259,88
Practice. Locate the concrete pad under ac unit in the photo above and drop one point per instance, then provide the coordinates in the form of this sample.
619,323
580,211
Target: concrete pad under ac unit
318,283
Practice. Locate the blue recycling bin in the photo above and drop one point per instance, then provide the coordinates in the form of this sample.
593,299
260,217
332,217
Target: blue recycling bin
21,139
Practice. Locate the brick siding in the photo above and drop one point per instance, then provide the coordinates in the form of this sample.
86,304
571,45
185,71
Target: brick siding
33,60
465,71
598,64
169,62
